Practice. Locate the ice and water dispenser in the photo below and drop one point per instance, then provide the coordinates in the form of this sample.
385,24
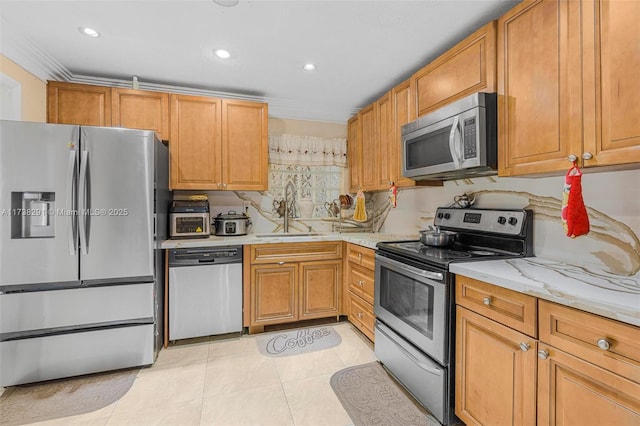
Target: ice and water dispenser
33,214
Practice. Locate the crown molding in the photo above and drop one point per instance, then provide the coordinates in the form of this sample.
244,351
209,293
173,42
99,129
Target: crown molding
35,60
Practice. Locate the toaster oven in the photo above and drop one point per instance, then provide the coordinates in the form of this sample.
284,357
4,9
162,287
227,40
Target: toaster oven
189,219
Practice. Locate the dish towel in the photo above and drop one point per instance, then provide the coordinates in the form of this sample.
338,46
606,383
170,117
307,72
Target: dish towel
575,219
360,213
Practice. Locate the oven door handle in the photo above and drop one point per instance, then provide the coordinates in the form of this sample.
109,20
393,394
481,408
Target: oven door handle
426,274
419,363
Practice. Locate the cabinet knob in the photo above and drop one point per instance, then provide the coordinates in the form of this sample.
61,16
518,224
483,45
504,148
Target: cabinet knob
587,156
487,301
359,256
604,344
572,158
360,315
281,263
360,283
224,185
543,354
524,346
219,185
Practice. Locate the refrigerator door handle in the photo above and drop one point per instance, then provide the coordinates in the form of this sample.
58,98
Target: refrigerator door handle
72,229
82,205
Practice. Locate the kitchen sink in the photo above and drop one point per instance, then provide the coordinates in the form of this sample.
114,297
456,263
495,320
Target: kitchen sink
289,235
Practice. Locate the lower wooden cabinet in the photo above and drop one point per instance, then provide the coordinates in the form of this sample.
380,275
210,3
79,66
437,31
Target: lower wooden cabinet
495,372
361,315
359,288
292,282
583,370
575,392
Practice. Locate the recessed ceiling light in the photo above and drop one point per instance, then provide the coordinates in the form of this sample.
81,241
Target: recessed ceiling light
226,3
221,53
309,67
89,32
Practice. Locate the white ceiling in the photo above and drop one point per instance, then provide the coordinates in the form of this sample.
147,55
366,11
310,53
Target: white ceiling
362,48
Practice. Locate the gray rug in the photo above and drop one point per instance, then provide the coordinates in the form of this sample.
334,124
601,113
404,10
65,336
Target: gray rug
56,399
297,341
371,397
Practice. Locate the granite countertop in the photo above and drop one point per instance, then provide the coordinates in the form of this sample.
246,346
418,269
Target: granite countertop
366,239
602,293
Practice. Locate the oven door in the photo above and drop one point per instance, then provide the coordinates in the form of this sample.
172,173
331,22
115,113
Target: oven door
414,302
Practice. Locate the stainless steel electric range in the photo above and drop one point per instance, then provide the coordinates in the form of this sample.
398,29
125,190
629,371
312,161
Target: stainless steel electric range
415,303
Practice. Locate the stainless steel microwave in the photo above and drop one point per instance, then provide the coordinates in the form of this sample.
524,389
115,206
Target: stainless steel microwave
454,142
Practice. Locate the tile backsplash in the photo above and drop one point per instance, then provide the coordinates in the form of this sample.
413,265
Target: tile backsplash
612,200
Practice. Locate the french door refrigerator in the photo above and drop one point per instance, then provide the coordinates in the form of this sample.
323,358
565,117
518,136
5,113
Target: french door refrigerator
82,213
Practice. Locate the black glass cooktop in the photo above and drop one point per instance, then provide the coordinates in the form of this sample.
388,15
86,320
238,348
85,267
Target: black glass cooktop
442,256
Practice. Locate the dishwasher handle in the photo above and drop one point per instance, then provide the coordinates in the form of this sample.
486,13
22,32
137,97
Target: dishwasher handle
205,256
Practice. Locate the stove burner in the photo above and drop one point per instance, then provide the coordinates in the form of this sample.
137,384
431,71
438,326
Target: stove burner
482,252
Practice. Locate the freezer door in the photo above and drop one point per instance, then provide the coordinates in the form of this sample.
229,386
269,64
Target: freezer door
116,205
38,234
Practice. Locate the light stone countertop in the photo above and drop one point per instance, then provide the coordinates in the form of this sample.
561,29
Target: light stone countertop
366,239
602,293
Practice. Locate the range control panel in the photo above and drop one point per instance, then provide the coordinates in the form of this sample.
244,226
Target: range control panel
506,222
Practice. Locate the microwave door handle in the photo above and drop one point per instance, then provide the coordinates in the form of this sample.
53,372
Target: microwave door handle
452,143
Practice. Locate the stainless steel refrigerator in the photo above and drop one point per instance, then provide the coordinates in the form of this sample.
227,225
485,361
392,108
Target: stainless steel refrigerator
82,216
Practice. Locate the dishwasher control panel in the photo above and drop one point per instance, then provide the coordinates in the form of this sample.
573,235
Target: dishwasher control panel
205,255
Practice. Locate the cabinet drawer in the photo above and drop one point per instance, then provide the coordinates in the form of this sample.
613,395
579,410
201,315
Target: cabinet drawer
508,307
361,256
578,332
287,252
361,282
361,315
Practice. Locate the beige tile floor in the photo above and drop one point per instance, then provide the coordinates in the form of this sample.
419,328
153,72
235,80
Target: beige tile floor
229,382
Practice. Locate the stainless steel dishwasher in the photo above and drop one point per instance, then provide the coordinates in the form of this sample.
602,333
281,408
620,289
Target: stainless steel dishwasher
205,291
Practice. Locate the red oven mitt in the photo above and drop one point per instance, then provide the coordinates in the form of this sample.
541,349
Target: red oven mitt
574,213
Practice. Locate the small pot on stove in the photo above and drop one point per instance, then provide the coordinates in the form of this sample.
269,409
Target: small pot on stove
437,237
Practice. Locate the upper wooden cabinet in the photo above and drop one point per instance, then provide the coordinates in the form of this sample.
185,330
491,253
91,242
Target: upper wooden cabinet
568,86
218,144
403,106
611,64
82,104
140,109
245,145
353,150
368,120
468,67
539,104
195,148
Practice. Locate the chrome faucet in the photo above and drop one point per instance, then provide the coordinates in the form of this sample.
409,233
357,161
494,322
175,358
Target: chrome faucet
289,206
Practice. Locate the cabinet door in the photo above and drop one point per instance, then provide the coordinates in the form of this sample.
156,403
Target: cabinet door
369,153
575,392
386,141
81,104
403,112
320,285
274,293
495,377
539,87
612,82
354,148
466,68
195,143
245,146
140,109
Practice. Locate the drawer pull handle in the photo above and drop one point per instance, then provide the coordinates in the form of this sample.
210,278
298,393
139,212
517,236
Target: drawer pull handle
543,354
524,346
281,263
360,315
604,344
487,301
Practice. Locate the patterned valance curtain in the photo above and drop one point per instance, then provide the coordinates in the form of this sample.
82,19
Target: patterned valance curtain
307,151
